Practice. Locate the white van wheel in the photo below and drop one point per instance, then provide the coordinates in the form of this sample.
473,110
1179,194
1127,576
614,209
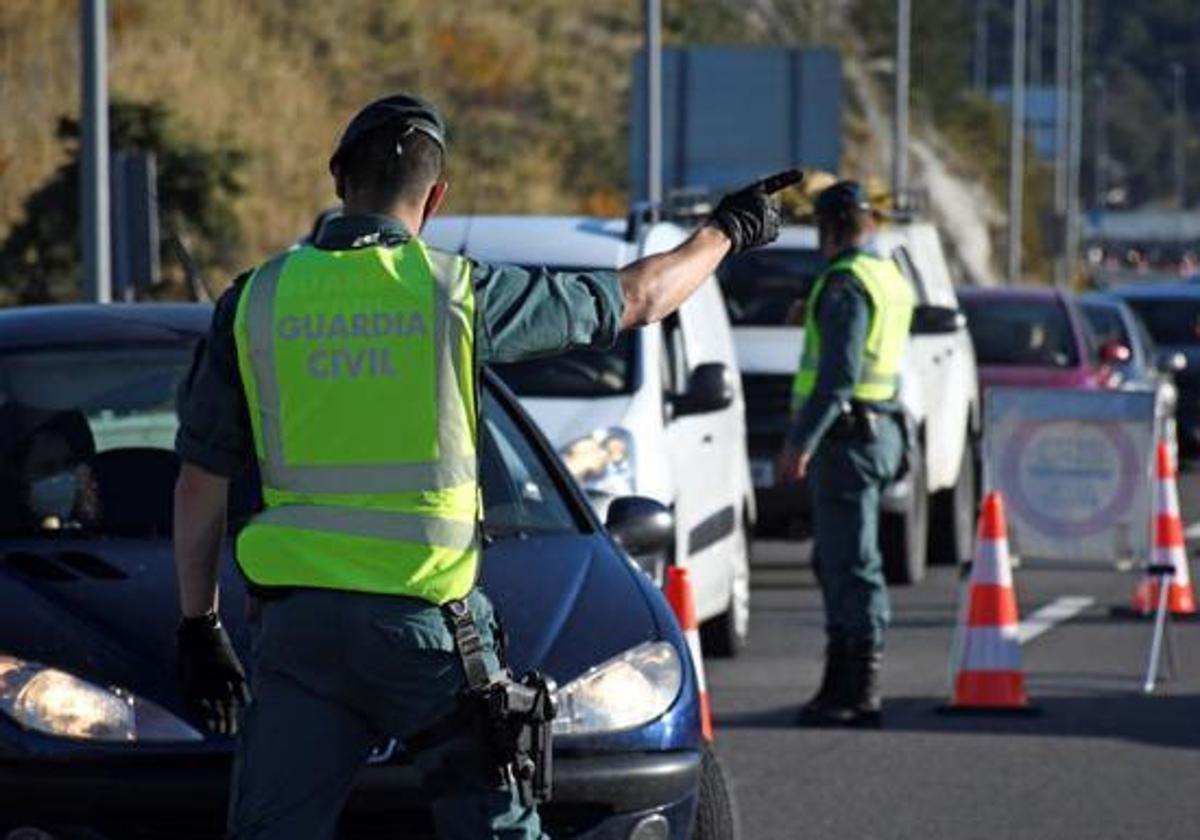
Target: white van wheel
726,634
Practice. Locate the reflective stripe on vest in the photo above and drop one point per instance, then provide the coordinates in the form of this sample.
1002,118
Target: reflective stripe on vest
359,374
892,302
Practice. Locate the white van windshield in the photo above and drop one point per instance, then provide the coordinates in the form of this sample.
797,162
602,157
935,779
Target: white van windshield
579,373
761,286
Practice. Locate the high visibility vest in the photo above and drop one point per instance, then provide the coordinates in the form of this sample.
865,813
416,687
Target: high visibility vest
359,373
892,302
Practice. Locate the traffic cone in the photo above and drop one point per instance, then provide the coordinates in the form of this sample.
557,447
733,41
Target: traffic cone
1168,546
988,674
678,589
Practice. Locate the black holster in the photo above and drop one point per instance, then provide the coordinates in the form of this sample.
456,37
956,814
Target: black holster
518,714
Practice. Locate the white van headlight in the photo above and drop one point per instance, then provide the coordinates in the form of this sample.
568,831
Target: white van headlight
603,462
57,703
627,691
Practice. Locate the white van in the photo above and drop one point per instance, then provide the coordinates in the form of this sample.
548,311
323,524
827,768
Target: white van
660,414
930,514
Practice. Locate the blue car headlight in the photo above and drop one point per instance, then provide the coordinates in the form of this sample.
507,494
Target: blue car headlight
625,692
55,702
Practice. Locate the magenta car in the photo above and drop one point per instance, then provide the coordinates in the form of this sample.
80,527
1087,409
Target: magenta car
1036,337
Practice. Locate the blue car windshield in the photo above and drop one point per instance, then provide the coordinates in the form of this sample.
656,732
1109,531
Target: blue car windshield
1171,321
87,439
86,436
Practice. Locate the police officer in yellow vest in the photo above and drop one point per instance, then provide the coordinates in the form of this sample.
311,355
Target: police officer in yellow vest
847,437
347,370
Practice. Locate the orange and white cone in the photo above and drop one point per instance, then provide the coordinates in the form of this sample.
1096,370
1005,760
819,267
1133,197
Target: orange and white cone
988,673
678,589
1168,546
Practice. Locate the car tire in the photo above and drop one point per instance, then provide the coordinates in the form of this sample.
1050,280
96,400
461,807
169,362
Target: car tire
904,537
716,810
725,635
952,514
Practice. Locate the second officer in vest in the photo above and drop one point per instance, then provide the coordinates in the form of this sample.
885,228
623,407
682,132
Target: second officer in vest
847,437
347,369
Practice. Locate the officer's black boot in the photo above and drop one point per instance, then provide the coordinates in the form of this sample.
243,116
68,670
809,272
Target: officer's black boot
863,704
832,691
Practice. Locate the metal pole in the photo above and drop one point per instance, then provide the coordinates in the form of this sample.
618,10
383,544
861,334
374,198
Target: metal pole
1062,48
1100,143
1178,74
654,163
980,72
900,127
1016,159
1037,41
93,175
1075,149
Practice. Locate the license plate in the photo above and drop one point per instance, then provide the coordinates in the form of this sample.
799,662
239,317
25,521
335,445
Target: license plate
762,471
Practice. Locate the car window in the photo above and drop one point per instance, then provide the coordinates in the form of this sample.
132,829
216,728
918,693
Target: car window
1106,322
87,440
760,286
675,359
909,269
1171,321
1091,342
1034,333
1149,348
578,373
520,498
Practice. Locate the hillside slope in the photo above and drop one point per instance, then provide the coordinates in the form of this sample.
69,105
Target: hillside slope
536,93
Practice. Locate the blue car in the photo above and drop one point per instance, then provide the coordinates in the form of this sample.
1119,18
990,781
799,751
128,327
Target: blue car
1170,310
94,739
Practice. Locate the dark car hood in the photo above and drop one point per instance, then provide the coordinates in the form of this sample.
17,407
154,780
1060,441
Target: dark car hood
106,609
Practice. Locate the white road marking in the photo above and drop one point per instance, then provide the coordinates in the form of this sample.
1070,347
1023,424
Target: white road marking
1193,531
1056,612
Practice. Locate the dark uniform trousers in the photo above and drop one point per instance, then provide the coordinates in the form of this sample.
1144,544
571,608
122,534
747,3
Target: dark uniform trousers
335,674
848,476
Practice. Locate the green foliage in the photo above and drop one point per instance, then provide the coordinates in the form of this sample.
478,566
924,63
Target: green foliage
197,187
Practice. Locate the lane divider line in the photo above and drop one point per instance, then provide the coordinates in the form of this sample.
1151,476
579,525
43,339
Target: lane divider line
1193,531
1056,612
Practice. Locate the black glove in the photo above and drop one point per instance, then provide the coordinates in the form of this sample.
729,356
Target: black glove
750,217
210,676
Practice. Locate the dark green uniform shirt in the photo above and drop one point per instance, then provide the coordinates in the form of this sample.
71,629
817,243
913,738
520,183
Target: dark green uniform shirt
518,314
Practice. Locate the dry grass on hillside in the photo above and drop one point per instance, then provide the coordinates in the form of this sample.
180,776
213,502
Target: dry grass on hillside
536,97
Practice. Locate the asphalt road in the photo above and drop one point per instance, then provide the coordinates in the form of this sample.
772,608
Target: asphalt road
1101,761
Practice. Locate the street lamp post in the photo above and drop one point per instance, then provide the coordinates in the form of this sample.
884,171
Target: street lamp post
1062,134
900,126
980,70
1075,149
1178,78
1100,143
654,167
1016,159
93,176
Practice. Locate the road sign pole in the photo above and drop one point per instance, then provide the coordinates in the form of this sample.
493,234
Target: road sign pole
900,126
980,70
1016,159
1178,75
654,164
1075,147
93,182
1062,48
